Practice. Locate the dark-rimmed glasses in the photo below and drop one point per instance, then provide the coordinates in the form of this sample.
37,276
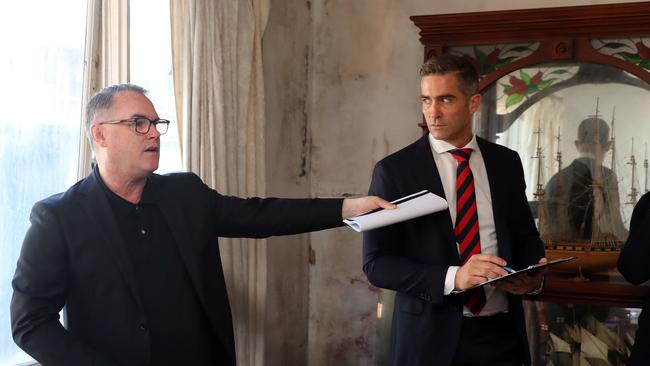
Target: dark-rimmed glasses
142,124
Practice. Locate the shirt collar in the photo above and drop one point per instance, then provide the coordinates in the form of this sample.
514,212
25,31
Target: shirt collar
441,147
148,195
586,155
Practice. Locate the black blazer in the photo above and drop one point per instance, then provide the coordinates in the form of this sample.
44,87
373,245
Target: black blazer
73,255
412,257
633,265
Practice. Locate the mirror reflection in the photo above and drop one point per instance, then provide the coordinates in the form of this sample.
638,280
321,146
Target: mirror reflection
582,132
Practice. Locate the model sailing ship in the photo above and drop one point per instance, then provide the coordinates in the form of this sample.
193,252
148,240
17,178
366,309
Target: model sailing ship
579,210
584,340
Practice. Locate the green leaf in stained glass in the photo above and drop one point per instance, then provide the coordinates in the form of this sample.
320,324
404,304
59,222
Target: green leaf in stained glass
630,57
545,84
524,77
531,89
513,100
645,64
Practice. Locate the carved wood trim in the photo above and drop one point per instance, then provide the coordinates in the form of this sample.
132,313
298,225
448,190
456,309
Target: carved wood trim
602,293
593,21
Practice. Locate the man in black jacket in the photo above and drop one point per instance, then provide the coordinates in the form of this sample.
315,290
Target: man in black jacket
133,256
633,265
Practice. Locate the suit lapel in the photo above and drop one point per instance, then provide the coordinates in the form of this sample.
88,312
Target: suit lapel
172,212
494,170
201,262
96,206
429,177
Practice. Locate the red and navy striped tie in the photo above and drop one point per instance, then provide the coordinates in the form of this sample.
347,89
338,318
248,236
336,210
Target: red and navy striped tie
466,229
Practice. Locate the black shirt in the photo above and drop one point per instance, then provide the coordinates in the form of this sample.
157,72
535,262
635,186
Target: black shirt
179,328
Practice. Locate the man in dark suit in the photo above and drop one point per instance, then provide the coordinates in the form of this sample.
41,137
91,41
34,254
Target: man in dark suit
490,220
586,192
633,265
133,256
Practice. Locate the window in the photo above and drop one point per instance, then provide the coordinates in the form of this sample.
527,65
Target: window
42,74
41,69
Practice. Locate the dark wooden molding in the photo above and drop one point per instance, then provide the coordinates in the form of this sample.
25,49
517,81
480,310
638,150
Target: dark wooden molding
591,292
592,21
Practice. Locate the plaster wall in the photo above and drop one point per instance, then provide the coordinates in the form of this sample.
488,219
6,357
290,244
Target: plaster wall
342,91
287,55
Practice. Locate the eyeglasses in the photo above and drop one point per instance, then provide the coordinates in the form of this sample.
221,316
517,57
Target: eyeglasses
142,124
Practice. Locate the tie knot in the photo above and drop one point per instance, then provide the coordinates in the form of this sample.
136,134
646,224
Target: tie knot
461,155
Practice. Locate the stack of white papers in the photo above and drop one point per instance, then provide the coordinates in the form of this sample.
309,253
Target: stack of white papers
409,207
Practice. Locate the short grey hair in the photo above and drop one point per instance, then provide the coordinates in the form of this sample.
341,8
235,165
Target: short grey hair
103,100
468,78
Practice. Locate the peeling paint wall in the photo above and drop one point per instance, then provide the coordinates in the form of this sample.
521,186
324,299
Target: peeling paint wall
287,52
342,90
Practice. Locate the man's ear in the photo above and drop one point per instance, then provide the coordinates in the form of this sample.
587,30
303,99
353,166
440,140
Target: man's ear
97,134
474,102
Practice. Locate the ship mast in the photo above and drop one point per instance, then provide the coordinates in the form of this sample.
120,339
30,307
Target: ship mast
539,192
633,191
596,183
613,143
558,154
645,168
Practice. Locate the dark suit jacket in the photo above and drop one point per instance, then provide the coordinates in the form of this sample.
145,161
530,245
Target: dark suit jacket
412,257
633,265
73,255
569,199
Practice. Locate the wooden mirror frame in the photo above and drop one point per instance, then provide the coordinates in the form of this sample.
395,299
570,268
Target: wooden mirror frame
563,34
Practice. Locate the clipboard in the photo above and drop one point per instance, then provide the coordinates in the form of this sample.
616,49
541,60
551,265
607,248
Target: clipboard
409,207
530,269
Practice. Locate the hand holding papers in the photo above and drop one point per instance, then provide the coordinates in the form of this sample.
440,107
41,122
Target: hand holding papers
528,270
409,207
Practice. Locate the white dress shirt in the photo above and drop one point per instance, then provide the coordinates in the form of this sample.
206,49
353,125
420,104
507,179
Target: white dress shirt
497,301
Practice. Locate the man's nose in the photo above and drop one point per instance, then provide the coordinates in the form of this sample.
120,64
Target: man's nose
153,132
433,111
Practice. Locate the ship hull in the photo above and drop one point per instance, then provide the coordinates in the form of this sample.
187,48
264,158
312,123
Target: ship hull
587,259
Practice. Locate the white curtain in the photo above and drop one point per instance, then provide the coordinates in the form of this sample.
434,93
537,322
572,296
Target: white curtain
106,59
546,116
218,84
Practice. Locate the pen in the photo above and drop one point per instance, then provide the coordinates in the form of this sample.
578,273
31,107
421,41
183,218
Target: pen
508,269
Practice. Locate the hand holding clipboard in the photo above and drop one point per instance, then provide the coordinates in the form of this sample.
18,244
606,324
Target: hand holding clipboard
530,270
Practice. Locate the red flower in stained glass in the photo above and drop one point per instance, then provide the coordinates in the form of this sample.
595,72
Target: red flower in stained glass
518,86
644,51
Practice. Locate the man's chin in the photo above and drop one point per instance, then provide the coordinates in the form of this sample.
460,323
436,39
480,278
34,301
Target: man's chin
153,166
437,133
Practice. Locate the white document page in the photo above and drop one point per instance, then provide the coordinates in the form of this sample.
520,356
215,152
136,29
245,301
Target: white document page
409,207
